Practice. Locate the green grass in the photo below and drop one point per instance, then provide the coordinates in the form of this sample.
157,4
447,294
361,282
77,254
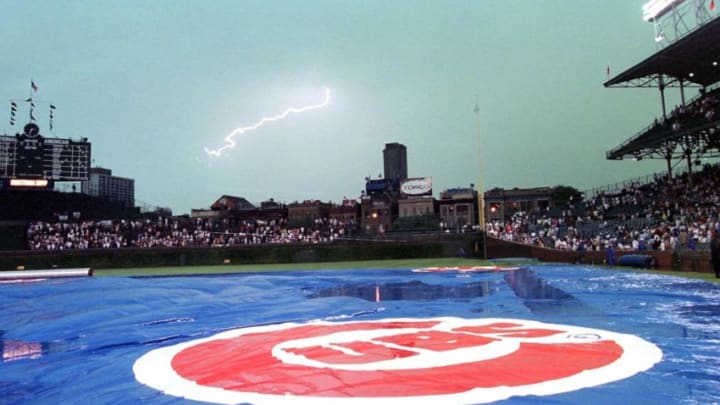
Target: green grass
250,268
369,264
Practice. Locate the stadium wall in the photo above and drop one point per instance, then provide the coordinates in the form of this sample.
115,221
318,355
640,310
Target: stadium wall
685,260
265,254
12,235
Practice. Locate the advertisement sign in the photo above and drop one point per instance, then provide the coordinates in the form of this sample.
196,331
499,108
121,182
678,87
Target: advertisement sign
417,186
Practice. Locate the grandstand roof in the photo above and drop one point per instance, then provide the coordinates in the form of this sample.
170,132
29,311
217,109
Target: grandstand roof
694,58
231,202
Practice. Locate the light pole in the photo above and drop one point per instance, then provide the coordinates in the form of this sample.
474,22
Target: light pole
480,191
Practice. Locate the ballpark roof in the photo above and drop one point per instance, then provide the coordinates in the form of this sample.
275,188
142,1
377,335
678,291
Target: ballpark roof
694,58
231,202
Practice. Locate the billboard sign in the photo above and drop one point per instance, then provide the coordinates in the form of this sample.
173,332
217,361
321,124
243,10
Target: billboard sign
417,186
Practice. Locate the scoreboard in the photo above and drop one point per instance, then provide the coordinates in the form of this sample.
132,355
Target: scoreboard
31,156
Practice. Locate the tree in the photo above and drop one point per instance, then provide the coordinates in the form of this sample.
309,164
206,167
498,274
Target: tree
562,195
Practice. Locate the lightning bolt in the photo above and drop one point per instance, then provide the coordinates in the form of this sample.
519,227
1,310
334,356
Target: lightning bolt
230,138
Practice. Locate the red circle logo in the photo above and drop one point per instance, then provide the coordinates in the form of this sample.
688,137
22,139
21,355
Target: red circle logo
394,361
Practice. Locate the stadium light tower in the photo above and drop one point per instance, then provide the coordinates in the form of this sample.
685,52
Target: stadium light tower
673,19
655,9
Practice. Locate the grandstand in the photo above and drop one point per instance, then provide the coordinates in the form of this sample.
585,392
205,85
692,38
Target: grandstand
675,212
31,165
689,132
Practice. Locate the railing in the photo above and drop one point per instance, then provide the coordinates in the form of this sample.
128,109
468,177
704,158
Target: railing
630,140
643,180
609,188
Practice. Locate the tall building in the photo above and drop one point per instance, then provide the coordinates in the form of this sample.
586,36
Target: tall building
395,162
116,189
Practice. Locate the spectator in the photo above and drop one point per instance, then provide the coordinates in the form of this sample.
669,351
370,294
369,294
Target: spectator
175,232
664,214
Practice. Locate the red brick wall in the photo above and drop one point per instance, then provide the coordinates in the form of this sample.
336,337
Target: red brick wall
697,261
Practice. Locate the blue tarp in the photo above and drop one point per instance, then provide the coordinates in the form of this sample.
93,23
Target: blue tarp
76,340
638,261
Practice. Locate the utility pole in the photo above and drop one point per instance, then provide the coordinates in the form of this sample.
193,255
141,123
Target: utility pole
480,189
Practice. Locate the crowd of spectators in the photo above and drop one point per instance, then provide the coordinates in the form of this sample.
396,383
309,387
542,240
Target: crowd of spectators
176,232
666,214
675,213
701,110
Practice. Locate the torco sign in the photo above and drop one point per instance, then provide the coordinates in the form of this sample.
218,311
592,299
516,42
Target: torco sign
419,186
394,361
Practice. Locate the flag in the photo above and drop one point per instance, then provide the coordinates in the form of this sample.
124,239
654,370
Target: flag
33,85
712,5
13,110
52,107
29,100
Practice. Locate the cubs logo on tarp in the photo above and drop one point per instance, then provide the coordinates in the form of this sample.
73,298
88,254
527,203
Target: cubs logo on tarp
392,361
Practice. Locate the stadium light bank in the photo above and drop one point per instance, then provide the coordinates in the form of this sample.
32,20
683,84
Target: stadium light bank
654,9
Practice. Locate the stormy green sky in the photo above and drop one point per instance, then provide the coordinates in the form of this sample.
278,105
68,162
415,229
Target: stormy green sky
154,83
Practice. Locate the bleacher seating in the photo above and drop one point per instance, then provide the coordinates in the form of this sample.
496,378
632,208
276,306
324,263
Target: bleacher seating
664,214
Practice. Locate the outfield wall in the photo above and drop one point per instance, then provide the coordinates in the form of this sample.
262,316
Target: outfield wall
247,254
683,260
405,247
